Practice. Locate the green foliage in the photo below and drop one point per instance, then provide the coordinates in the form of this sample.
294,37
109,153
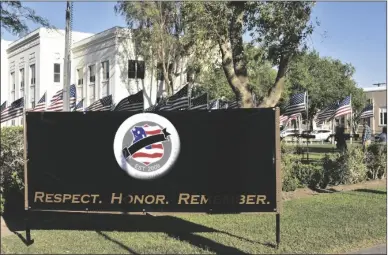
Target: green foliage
280,27
260,74
14,16
11,161
289,180
376,161
347,168
327,80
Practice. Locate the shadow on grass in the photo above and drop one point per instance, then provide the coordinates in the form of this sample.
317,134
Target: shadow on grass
371,191
173,226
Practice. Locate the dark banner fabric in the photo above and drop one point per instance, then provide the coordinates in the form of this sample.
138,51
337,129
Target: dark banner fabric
221,161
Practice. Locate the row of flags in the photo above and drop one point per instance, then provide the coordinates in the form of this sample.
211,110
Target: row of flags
298,104
181,100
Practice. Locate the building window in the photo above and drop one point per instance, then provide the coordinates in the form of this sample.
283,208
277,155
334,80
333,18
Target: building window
13,123
80,75
57,72
136,69
32,72
132,69
92,73
13,87
91,93
32,96
22,82
105,70
383,116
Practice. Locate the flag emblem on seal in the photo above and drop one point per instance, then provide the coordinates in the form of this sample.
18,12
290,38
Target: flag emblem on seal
151,153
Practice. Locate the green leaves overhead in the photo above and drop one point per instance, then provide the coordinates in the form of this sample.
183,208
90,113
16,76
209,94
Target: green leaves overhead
14,16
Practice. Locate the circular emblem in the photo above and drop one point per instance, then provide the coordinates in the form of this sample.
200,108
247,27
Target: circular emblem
146,146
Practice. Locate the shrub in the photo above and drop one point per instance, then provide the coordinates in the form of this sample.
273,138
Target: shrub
11,162
308,175
345,168
289,181
376,161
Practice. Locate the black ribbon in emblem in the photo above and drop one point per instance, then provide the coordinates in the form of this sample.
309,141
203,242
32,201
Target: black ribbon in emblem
130,150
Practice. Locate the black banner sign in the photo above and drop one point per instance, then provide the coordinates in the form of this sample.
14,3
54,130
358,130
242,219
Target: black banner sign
223,161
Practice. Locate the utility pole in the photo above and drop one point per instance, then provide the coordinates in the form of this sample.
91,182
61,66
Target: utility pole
66,66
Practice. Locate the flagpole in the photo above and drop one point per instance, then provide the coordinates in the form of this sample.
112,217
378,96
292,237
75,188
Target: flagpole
308,123
351,120
66,66
373,118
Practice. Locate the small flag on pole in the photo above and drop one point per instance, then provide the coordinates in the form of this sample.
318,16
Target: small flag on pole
41,105
13,111
367,112
56,103
199,103
345,107
79,107
296,104
103,104
3,106
131,103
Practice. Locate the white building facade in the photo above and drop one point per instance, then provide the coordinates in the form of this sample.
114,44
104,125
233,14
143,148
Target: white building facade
102,64
35,66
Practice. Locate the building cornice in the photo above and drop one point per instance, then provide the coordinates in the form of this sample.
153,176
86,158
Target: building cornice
104,36
23,45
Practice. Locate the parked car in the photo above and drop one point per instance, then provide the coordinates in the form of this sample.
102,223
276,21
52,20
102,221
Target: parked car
322,134
289,132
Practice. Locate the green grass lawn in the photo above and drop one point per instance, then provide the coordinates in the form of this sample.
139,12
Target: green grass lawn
327,223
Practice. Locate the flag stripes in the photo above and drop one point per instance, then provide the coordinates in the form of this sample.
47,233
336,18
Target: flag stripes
131,103
103,104
41,105
367,112
13,111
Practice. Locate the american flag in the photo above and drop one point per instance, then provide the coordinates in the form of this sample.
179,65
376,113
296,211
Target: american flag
178,101
3,106
103,104
131,103
367,112
295,116
233,104
215,104
56,103
41,105
13,111
296,104
149,154
72,96
79,107
282,119
327,113
344,107
199,103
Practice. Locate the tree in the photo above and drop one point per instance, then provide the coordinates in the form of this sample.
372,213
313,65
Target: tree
14,16
279,27
325,79
260,75
158,33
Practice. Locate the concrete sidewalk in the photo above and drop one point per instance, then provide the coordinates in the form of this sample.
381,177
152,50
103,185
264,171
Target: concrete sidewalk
379,249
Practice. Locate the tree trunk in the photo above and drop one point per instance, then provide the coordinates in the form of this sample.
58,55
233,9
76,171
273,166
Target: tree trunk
238,86
277,89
